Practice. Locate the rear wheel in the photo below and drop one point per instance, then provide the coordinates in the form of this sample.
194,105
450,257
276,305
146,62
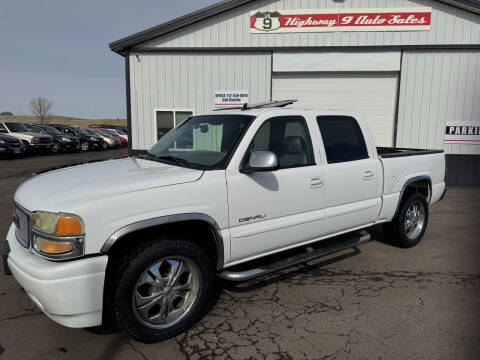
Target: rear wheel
410,223
160,289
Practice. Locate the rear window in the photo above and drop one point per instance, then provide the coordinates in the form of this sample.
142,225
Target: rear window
342,138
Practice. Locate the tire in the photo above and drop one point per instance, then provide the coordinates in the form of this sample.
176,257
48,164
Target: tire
104,146
406,229
56,148
84,146
147,274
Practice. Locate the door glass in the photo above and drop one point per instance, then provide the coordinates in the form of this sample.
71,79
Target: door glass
342,138
164,122
288,138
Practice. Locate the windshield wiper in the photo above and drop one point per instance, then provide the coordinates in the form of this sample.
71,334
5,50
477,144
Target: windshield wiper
179,161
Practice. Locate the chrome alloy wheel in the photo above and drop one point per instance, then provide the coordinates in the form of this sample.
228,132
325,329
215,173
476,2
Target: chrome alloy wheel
165,292
414,219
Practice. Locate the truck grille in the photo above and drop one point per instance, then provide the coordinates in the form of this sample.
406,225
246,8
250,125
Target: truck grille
45,140
13,143
22,229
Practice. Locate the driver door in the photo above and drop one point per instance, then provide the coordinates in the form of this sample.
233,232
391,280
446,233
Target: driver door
274,210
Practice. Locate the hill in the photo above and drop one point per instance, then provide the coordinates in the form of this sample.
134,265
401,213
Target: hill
57,119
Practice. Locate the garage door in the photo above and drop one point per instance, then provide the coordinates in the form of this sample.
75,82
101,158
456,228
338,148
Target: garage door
373,95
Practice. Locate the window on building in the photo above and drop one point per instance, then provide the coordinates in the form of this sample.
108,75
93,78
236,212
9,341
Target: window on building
288,138
342,138
168,119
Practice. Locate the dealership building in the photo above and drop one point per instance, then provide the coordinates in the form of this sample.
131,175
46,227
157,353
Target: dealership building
410,67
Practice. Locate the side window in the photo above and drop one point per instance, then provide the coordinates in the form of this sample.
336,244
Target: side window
288,138
342,138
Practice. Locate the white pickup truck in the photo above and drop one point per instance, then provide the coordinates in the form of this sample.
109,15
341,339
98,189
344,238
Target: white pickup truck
138,241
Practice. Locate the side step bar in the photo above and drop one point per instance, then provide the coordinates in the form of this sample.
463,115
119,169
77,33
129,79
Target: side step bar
294,260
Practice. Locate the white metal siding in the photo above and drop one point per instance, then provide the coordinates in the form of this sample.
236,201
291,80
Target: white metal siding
188,81
372,94
450,25
437,86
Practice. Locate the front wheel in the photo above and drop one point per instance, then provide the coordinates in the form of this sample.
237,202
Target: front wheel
56,148
410,223
84,146
160,289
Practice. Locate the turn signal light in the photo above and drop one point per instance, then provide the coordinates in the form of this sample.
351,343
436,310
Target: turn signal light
67,225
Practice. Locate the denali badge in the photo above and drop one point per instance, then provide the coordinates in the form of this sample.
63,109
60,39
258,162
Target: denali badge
267,21
250,218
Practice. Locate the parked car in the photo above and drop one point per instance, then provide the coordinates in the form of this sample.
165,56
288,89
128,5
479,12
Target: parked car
10,145
121,139
140,239
61,141
118,133
87,140
110,140
32,141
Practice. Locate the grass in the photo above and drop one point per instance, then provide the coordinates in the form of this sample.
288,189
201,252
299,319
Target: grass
66,120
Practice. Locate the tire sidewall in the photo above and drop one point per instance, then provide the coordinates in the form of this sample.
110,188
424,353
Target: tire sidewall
143,259
404,240
84,144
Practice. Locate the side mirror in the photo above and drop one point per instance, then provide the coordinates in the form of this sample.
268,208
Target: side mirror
261,161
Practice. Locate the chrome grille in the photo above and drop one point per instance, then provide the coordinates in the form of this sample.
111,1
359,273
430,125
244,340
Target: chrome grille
22,226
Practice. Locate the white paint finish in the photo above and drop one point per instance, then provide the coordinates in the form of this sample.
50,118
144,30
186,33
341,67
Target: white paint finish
436,87
373,95
123,192
56,287
450,25
188,81
336,61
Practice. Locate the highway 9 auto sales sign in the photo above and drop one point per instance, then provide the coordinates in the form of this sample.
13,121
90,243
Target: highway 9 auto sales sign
321,20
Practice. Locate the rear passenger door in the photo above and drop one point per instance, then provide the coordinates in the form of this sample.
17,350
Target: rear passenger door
352,175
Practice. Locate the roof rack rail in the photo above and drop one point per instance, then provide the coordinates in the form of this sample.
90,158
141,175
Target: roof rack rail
246,106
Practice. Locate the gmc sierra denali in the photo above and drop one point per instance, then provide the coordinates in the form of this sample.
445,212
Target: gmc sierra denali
138,241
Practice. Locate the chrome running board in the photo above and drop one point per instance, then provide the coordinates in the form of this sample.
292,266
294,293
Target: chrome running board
294,260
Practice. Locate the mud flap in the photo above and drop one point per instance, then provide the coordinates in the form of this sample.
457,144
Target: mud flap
5,250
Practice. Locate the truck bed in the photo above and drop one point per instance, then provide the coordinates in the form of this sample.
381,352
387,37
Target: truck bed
389,152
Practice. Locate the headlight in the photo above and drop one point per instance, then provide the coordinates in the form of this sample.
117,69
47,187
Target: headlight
2,142
93,138
65,139
35,140
58,235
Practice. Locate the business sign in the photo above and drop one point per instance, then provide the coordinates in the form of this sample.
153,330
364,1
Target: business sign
284,21
462,132
228,98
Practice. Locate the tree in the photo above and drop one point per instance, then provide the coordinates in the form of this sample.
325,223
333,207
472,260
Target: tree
41,107
6,113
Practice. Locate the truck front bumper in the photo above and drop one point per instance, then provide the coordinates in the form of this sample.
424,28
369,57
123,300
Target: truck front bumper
70,293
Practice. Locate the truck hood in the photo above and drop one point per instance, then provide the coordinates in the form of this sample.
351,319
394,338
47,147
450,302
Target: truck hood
59,190
28,135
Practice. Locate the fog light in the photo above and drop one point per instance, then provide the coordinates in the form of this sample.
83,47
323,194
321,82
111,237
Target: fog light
52,247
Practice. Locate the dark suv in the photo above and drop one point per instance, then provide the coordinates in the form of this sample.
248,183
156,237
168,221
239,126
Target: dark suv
11,145
87,141
61,141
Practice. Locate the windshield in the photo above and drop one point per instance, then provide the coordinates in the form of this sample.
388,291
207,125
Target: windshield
82,131
202,141
100,132
16,127
51,130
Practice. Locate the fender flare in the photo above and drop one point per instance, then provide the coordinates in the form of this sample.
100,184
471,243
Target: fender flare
169,219
408,183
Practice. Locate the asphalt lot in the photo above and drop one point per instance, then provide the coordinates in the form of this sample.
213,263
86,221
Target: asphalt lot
374,302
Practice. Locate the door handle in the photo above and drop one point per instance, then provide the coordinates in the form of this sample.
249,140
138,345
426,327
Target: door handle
316,182
367,175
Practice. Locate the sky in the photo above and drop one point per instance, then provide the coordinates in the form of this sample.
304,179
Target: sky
59,49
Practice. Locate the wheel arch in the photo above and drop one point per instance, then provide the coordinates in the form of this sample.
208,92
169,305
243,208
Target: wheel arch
176,219
421,184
